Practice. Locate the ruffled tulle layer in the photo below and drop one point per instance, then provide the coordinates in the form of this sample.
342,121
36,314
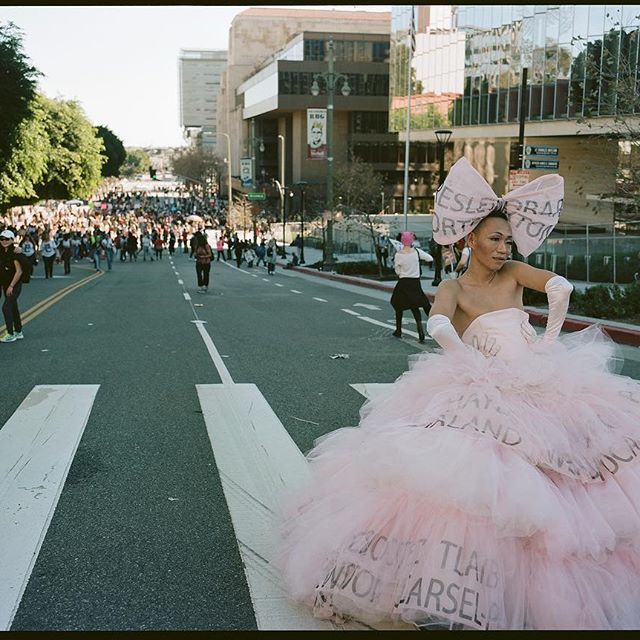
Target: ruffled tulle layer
478,492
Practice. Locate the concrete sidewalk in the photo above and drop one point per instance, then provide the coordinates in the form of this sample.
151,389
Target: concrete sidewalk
621,332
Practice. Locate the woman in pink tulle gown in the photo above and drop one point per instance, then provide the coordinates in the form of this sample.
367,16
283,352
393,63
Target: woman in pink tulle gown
495,485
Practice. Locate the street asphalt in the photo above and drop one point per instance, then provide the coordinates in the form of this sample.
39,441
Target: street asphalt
141,538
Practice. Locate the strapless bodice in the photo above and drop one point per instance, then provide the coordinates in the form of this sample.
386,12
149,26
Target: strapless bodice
505,333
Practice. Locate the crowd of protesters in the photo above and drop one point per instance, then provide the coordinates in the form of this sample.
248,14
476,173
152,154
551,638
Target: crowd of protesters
117,226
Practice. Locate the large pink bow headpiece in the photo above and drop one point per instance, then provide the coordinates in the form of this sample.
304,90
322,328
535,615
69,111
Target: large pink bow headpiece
464,199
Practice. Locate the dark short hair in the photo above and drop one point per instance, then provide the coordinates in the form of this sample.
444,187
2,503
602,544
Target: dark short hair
497,212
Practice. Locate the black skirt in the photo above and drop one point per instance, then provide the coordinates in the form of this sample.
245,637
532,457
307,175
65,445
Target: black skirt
408,294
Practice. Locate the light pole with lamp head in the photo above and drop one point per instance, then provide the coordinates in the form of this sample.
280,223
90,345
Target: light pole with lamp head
302,184
330,80
442,136
253,141
226,135
280,186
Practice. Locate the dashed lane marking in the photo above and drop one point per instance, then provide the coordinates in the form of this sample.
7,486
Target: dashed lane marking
180,282
294,291
278,284
186,296
320,299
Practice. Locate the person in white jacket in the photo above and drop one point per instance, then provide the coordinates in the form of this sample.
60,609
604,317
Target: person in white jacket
408,293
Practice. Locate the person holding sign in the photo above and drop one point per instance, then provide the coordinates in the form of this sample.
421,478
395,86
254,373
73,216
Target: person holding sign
495,485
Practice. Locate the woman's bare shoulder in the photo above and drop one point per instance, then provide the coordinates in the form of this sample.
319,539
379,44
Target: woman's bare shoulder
448,289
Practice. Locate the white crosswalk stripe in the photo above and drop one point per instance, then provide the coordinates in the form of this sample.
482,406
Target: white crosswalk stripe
37,446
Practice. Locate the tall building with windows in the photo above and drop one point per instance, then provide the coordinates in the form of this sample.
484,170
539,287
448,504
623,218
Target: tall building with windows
270,70
199,78
466,76
276,98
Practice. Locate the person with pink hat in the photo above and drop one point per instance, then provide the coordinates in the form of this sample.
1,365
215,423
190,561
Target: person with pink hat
408,293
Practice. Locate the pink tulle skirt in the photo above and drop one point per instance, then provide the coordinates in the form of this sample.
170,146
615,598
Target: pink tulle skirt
478,493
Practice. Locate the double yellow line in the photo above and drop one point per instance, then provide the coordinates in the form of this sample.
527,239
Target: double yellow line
43,305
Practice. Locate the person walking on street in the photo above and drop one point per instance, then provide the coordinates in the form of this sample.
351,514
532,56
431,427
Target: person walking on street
65,253
107,247
158,245
238,250
261,252
220,249
271,257
408,293
48,253
146,247
29,252
11,285
203,256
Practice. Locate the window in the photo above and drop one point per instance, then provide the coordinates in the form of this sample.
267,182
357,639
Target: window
314,50
369,122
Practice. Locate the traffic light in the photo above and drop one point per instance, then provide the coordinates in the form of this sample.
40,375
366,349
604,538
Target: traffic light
152,173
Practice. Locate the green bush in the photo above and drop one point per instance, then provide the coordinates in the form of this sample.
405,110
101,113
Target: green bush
531,298
605,301
601,301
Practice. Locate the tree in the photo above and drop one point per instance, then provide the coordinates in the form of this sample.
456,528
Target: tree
114,152
17,88
75,160
137,161
612,88
27,165
359,187
196,165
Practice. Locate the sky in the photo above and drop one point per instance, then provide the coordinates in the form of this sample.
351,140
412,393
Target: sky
121,62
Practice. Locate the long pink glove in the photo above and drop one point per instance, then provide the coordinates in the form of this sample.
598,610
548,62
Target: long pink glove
558,293
441,330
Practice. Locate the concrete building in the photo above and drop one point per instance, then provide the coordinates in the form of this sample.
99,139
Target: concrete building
273,53
468,68
199,73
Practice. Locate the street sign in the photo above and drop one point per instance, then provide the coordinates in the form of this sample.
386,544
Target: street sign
258,195
540,150
539,163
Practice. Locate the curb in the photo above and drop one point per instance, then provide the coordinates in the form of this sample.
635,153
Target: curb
622,335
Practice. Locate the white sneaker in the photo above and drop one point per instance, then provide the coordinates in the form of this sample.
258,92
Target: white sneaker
18,335
8,337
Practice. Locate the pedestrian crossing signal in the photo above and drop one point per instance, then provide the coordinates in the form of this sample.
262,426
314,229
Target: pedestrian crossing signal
152,173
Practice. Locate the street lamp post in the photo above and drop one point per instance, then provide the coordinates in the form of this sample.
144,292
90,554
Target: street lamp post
253,141
280,186
226,135
330,80
302,184
442,136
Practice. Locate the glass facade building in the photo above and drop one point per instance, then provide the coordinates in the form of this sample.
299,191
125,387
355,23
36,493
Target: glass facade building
468,62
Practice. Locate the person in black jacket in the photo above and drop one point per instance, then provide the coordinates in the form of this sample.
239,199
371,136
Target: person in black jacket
10,281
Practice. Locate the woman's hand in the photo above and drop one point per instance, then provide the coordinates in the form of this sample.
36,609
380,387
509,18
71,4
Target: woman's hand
9,291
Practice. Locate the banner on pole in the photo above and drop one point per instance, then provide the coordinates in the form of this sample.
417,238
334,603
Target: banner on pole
316,134
246,177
